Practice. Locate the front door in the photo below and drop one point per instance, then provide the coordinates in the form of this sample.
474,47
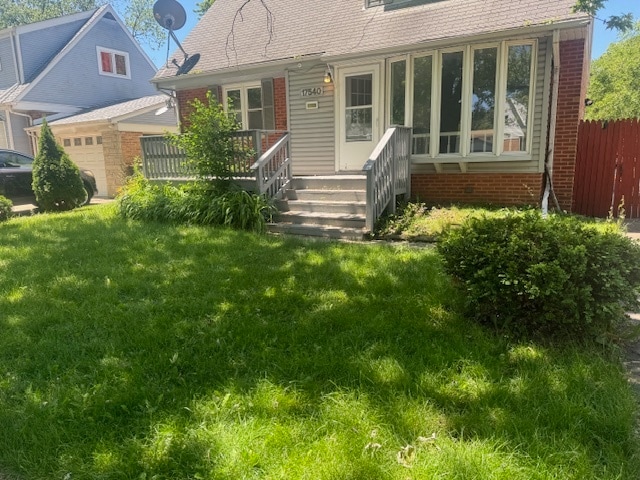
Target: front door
359,105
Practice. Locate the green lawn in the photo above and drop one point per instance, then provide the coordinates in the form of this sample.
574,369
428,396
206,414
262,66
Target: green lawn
148,351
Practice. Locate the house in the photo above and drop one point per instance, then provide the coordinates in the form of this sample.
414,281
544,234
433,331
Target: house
66,66
106,140
492,90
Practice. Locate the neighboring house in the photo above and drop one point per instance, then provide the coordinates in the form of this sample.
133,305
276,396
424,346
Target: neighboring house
64,66
107,140
490,87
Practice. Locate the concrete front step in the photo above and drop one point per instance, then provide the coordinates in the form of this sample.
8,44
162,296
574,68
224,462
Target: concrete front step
348,208
330,182
323,231
322,218
332,195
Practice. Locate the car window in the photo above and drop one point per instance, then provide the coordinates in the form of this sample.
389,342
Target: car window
15,160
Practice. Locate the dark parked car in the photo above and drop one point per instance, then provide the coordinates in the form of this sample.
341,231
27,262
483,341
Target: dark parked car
15,178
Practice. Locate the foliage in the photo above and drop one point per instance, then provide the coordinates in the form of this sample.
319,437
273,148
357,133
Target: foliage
209,141
136,14
614,85
195,203
202,7
56,183
5,208
616,22
535,275
146,350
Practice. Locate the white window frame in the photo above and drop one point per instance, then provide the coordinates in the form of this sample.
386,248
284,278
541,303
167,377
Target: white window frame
244,99
113,53
498,152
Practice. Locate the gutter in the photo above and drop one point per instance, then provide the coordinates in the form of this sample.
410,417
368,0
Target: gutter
548,164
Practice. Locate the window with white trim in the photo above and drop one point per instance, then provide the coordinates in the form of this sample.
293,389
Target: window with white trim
469,101
246,104
113,63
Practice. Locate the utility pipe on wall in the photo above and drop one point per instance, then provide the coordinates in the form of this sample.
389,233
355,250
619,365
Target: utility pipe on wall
548,164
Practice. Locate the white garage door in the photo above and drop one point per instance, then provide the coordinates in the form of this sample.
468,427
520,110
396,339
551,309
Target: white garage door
87,153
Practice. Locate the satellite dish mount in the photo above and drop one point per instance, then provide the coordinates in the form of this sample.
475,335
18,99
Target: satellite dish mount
171,16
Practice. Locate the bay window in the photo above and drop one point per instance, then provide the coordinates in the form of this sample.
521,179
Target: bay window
470,101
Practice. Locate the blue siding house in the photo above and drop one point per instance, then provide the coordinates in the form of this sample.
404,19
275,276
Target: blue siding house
65,66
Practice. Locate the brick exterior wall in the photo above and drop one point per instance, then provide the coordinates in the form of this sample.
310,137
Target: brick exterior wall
571,87
185,97
477,188
120,150
280,103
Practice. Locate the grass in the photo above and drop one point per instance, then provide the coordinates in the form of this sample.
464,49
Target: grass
147,351
417,221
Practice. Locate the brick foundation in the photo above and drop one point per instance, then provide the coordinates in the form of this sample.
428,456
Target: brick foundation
477,188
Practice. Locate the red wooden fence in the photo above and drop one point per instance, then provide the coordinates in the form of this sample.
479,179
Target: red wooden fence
607,175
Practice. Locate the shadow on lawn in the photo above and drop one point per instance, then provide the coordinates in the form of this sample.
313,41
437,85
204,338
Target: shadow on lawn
128,329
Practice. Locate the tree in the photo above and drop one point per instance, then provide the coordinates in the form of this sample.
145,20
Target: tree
136,14
56,183
614,86
620,22
202,7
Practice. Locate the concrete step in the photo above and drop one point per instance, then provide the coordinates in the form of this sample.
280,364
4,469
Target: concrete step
342,220
322,231
330,182
327,195
350,208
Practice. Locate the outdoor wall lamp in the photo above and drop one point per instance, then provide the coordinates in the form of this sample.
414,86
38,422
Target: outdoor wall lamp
328,75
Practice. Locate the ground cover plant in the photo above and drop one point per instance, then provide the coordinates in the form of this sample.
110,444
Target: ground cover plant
134,350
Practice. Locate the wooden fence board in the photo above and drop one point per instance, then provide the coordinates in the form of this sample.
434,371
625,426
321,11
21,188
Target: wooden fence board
607,168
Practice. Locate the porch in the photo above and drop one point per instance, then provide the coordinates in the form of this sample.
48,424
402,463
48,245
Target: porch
335,206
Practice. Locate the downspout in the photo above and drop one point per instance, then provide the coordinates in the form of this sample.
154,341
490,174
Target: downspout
548,162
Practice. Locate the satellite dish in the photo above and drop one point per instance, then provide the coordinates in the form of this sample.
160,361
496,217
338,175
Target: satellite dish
171,16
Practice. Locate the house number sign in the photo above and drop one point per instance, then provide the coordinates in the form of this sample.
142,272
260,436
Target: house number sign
312,92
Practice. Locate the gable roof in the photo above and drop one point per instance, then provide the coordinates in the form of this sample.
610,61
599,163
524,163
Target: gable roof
341,28
115,112
93,20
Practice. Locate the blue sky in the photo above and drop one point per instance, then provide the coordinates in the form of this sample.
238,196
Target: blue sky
601,37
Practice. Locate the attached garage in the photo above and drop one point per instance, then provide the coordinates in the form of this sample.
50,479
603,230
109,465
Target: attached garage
107,140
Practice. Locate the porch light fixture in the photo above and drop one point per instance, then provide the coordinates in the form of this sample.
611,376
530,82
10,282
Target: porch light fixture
328,75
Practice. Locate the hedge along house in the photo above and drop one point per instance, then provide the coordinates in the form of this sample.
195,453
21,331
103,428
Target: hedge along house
491,90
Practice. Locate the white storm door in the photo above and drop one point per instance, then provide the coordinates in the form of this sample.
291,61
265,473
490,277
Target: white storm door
358,115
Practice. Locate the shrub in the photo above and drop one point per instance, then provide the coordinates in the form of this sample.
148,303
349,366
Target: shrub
5,208
534,275
209,142
197,203
56,179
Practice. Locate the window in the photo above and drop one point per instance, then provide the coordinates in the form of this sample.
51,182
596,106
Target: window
113,63
77,142
98,140
471,101
359,107
88,140
66,142
246,105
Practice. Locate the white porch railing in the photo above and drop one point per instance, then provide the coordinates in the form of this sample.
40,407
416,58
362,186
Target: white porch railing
388,173
271,169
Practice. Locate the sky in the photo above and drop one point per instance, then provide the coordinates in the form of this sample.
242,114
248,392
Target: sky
601,36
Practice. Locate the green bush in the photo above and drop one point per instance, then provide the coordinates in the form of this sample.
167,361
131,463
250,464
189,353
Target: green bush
57,183
196,203
534,275
209,142
5,208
